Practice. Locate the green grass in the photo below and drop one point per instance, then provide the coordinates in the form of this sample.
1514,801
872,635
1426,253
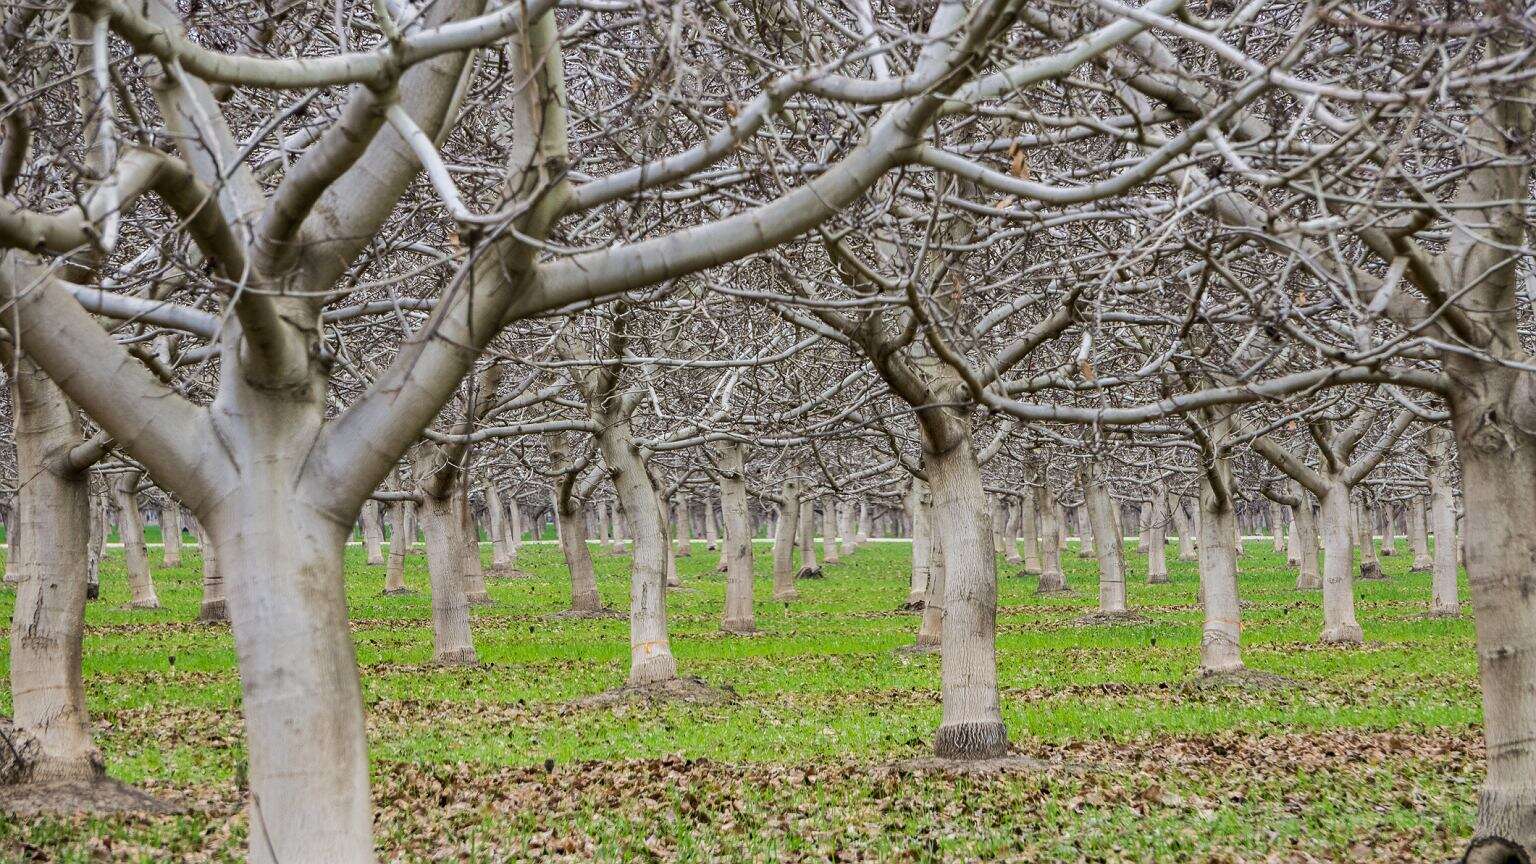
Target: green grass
1372,755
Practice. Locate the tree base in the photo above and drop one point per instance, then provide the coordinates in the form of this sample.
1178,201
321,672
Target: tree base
1345,634
919,647
461,657
1159,579
1417,567
678,689
739,626
1102,618
1240,677
1388,552
810,573
1443,613
1371,571
1309,586
786,596
1188,559
479,598
1059,589
723,567
93,591
216,612
971,741
1507,815
913,605
100,796
507,572
600,612
1495,850
397,592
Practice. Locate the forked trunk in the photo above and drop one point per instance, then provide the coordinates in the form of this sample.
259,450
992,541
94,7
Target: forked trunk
784,543
53,510
739,614
452,643
972,727
130,529
170,534
1339,625
373,533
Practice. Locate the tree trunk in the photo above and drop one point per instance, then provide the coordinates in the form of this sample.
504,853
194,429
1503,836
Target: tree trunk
98,544
170,533
739,614
1292,542
1085,544
1309,576
373,533
1029,530
684,526
930,630
452,643
1339,625
52,510
130,529
862,537
1388,530
1418,536
501,537
845,527
972,727
1221,636
1144,528
411,529
215,606
807,541
394,570
650,651
784,543
1277,532
1157,542
578,556
1052,580
474,571
1443,599
711,533
922,546
1370,565
828,530
1111,550
1186,529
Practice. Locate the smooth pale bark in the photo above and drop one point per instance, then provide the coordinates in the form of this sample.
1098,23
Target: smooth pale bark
1292,543
1443,599
845,527
130,530
996,512
53,510
807,539
215,605
862,536
1221,634
650,649
1309,573
373,533
170,533
1339,625
412,530
972,726
1144,528
930,630
1010,512
828,530
1186,529
1418,535
394,568
1085,544
515,529
740,616
1157,541
97,549
1029,529
578,556
452,642
1277,532
1052,579
922,544
1104,516
501,538
711,533
12,543
784,542
469,533
1370,565
1388,520
684,530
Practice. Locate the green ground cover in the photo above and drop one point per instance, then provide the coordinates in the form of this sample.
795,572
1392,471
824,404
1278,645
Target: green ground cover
1371,754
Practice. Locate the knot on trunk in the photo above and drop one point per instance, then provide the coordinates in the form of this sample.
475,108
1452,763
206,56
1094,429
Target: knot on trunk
18,753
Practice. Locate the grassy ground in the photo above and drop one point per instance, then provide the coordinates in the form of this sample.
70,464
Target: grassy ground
1372,755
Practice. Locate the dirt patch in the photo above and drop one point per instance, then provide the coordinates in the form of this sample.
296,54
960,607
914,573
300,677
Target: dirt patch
103,796
682,689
